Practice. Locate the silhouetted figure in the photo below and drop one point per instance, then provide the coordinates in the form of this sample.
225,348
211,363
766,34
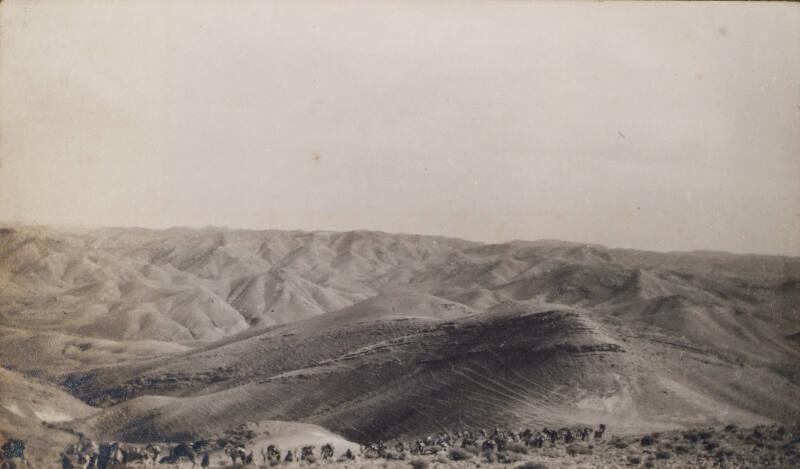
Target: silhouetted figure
599,432
327,451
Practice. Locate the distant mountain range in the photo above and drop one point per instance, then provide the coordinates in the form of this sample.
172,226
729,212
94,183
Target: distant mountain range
186,285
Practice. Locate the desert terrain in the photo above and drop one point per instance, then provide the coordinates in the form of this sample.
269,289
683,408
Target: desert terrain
304,338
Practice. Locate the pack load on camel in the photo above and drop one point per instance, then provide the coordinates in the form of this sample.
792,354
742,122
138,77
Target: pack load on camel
271,454
180,452
307,454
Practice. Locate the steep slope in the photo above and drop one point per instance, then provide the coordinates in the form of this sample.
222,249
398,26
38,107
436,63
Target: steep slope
517,365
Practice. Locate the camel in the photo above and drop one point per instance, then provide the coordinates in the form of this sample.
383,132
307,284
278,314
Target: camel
469,442
236,452
400,447
131,455
83,449
489,445
307,454
326,451
179,452
201,445
81,455
110,455
153,451
417,448
428,450
73,458
374,450
275,454
598,434
272,454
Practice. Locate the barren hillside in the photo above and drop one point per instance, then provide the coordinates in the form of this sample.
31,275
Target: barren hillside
186,333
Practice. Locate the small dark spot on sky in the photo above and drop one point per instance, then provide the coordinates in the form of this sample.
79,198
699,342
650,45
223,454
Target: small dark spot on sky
621,134
723,31
315,156
699,76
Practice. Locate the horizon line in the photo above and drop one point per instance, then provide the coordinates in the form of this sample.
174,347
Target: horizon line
694,251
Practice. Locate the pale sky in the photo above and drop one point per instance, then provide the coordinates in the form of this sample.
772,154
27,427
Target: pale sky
654,126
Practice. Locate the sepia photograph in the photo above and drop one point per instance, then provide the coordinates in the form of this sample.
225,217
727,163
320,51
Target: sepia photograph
399,234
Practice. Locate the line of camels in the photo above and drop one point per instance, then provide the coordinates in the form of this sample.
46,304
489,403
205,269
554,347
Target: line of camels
86,454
